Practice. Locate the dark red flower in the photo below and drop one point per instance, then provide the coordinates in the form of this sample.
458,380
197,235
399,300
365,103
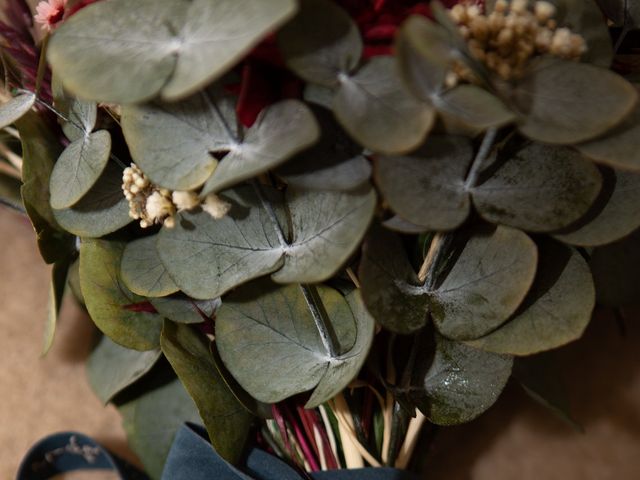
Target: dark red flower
379,20
264,80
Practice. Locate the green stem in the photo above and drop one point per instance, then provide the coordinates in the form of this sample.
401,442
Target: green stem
483,153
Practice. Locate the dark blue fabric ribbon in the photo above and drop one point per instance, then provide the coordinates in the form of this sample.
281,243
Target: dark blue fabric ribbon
191,458
70,451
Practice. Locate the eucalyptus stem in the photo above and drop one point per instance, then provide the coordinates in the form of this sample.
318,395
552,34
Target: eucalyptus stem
434,253
268,207
483,153
405,434
320,317
42,64
314,303
410,441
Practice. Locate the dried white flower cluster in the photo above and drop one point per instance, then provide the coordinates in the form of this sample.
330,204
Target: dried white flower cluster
153,205
514,32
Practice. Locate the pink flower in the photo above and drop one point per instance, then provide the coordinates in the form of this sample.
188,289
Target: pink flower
50,13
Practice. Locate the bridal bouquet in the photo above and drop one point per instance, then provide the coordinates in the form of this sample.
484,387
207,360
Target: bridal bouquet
323,227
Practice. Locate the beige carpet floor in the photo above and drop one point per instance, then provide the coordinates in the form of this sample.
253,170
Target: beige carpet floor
517,439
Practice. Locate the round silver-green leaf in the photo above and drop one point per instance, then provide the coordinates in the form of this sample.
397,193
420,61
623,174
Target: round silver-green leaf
172,142
327,229
618,148
389,285
102,55
107,298
269,340
207,257
142,270
168,47
424,51
335,162
462,382
111,368
427,187
556,311
564,102
321,42
540,188
376,109
78,168
487,283
15,108
474,107
152,420
615,214
281,131
103,210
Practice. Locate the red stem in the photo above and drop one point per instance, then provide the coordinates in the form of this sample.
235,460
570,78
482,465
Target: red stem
308,454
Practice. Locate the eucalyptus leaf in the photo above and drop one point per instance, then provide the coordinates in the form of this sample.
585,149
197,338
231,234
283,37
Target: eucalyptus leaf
539,188
167,47
327,229
335,162
111,368
556,311
281,131
178,144
427,187
208,257
172,142
462,382
321,42
226,420
40,148
489,273
143,272
474,106
182,309
217,35
615,214
59,272
318,95
424,51
387,282
80,115
78,168
487,283
615,270
152,420
618,148
103,210
376,109
271,343
108,300
564,102
16,108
